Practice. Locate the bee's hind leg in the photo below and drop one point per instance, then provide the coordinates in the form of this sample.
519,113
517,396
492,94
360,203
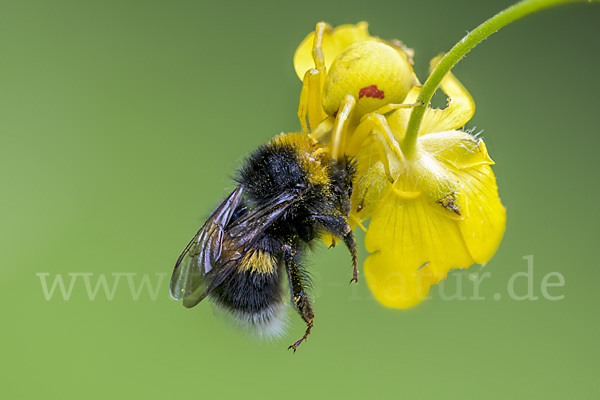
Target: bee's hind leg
351,244
298,292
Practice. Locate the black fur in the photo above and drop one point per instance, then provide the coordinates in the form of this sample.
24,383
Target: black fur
249,292
273,170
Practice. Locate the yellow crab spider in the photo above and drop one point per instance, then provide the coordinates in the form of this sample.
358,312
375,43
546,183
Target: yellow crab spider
357,100
367,76
311,96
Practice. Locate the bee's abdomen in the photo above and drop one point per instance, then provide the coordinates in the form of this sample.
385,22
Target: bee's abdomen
253,294
249,291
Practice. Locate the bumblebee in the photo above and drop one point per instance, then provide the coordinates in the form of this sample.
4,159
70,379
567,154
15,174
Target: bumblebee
290,192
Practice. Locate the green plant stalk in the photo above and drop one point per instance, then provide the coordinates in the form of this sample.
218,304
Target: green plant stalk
492,25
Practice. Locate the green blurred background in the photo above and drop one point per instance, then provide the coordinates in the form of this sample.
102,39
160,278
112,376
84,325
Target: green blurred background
121,124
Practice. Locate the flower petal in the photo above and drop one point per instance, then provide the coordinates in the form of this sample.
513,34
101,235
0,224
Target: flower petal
467,158
334,41
369,187
459,111
460,149
414,246
484,225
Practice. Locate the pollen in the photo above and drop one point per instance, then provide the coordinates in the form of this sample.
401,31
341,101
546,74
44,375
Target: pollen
257,261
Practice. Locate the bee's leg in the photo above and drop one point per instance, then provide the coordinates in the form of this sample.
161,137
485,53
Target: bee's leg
338,226
351,244
298,291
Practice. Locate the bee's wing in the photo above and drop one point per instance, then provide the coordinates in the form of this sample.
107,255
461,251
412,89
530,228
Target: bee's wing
252,225
214,252
198,263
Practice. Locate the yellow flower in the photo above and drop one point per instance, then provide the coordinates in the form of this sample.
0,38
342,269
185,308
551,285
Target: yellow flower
442,210
431,209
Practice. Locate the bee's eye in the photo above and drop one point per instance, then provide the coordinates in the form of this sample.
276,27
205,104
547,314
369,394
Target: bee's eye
350,191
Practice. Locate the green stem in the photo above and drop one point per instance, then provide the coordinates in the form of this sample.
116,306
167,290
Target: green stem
503,18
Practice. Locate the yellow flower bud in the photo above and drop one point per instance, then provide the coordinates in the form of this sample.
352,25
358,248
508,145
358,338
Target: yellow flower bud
374,73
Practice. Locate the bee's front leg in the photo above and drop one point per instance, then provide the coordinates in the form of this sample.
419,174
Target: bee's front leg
298,291
338,226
